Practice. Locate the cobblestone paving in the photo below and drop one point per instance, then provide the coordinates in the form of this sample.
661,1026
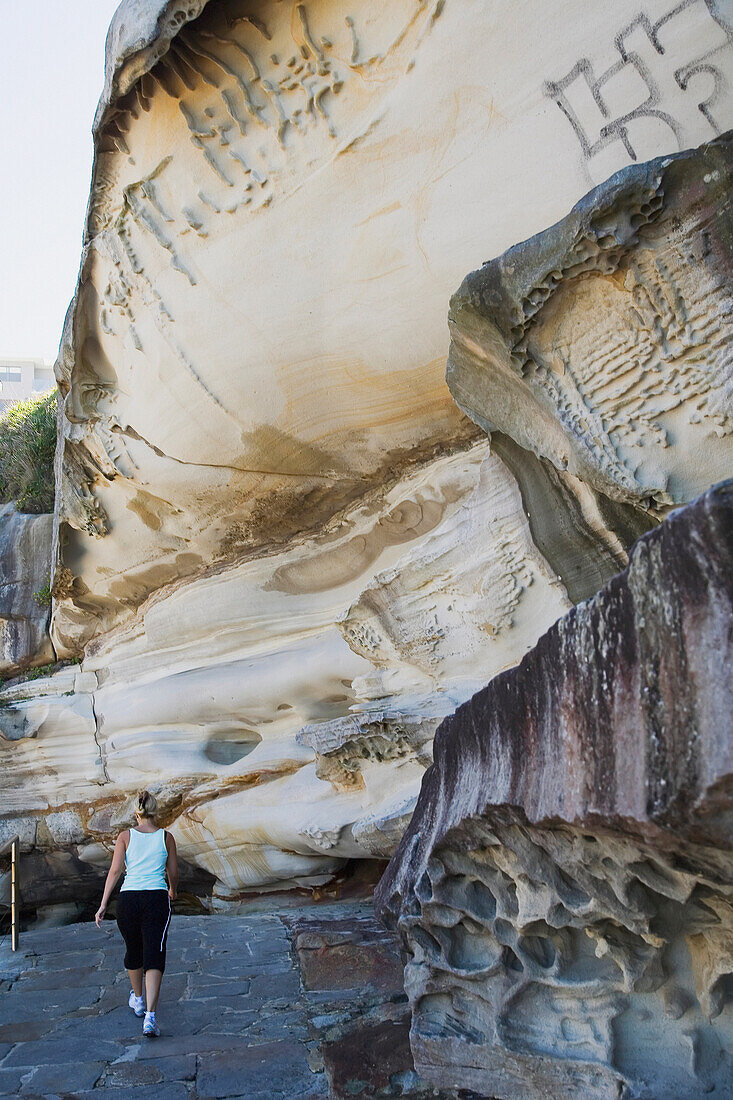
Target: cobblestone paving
302,1004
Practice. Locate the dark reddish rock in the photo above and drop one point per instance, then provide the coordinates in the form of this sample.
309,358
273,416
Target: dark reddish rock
370,1060
351,971
374,1059
565,888
347,954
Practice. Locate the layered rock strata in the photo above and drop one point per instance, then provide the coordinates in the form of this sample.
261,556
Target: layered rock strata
283,199
271,685
565,887
283,552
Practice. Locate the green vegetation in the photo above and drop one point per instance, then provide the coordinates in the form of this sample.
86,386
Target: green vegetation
38,672
27,445
43,595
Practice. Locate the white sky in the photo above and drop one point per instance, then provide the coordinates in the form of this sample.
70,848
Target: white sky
51,76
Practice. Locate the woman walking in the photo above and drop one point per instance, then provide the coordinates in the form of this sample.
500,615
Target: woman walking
144,906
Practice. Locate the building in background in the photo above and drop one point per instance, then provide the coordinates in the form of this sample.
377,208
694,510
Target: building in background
20,378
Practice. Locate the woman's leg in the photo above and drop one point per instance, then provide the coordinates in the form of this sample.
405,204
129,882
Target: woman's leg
128,922
153,978
156,920
136,981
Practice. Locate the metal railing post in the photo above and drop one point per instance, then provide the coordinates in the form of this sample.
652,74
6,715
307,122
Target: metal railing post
14,849
14,845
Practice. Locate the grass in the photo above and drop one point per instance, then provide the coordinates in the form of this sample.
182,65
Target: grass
27,446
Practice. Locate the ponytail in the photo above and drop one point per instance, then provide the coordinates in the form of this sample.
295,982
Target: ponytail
147,804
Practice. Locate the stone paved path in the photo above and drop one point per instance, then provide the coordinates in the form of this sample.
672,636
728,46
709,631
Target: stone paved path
305,1003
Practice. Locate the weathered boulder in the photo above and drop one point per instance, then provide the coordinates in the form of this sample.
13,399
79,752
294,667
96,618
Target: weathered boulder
565,887
282,713
602,347
283,200
25,564
283,552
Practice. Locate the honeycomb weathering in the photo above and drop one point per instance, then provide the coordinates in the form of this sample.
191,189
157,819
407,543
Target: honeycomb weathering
565,886
604,344
283,554
279,213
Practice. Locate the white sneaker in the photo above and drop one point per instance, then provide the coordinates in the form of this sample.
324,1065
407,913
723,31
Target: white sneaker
136,1004
150,1028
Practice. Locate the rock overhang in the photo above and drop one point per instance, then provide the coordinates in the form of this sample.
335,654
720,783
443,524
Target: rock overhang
379,565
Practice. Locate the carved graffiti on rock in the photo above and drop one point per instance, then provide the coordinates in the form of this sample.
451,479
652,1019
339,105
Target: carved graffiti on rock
654,83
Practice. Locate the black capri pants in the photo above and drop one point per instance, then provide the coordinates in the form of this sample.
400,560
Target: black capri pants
143,918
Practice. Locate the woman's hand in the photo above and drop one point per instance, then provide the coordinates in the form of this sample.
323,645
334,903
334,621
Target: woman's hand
172,894
118,863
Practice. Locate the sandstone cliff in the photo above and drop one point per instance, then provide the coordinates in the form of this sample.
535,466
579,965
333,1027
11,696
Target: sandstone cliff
281,549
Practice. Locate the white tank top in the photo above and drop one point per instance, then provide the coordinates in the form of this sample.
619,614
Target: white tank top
145,861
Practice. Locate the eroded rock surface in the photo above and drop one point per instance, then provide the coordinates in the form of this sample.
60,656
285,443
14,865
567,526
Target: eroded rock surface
270,684
603,345
25,565
565,886
283,552
283,200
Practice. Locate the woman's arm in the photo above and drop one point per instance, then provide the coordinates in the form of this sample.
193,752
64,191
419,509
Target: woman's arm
116,869
171,866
